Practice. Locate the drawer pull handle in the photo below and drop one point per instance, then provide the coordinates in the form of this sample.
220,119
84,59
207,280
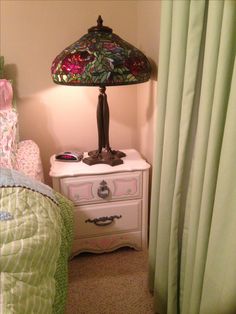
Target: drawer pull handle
103,190
103,221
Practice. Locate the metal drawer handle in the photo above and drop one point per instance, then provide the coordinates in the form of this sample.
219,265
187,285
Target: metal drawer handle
103,221
103,190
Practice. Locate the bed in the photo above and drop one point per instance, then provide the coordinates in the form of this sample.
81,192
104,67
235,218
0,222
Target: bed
36,231
36,223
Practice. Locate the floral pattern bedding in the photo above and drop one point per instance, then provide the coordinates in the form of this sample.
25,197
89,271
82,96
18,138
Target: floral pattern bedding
23,156
8,145
28,160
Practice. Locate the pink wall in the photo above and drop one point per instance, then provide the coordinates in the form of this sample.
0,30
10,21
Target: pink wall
148,28
60,118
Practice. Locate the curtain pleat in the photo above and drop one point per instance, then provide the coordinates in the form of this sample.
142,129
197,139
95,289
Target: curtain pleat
195,109
166,24
202,145
174,66
187,126
219,109
219,284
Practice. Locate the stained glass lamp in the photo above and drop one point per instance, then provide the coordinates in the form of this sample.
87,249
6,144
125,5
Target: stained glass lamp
101,58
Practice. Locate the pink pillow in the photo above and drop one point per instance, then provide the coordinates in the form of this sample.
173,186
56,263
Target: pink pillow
8,146
6,95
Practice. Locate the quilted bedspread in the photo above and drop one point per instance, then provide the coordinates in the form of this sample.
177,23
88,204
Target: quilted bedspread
35,240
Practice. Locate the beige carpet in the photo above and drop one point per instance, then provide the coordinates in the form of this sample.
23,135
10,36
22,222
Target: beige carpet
111,283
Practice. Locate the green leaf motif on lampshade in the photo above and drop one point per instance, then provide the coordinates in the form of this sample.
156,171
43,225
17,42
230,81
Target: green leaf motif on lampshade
100,59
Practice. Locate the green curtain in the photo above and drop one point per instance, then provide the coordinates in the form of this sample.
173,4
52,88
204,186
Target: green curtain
192,248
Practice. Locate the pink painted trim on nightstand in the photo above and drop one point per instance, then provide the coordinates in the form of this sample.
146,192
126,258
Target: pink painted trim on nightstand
80,192
124,187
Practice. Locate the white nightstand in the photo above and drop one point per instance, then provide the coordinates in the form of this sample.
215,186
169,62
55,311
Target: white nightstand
111,203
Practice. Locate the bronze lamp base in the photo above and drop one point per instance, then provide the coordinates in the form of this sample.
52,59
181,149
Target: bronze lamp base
112,158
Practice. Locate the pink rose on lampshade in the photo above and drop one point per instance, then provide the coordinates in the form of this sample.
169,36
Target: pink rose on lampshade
76,63
136,65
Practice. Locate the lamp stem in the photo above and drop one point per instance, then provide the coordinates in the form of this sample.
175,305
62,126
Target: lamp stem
108,156
103,117
101,139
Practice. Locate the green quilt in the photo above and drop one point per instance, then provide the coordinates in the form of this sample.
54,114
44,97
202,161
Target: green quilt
35,242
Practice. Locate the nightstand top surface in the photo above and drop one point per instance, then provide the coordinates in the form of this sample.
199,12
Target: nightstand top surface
133,161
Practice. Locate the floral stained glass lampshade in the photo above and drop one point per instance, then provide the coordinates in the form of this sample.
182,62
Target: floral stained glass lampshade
101,58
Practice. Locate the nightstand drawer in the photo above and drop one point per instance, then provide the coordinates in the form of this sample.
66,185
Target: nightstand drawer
103,188
112,218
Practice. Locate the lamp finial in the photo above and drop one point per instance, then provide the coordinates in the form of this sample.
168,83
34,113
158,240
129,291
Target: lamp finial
99,21
99,27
